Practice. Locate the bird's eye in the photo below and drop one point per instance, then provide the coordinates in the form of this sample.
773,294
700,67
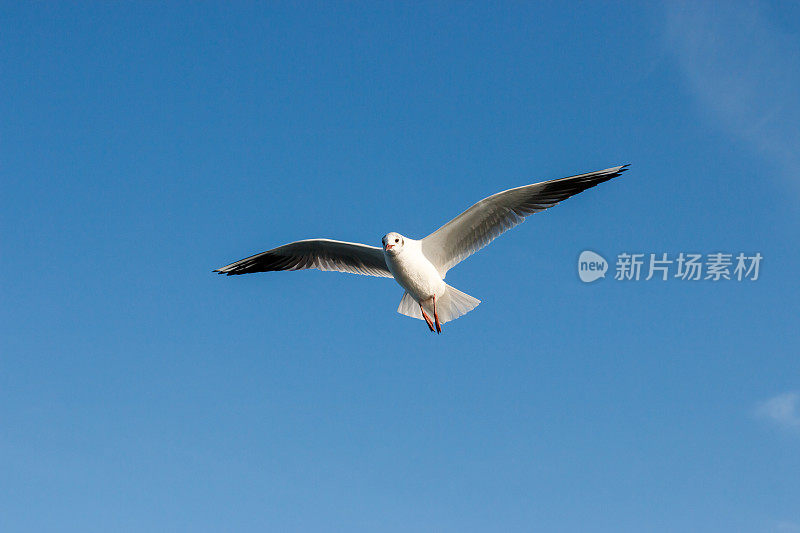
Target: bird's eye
397,240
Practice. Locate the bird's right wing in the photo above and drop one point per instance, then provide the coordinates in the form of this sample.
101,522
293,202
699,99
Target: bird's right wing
323,254
483,222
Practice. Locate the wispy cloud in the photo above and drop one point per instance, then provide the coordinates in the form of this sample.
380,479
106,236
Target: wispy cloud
783,410
745,70
785,526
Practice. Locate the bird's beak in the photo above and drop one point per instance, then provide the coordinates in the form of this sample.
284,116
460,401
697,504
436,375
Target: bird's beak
388,247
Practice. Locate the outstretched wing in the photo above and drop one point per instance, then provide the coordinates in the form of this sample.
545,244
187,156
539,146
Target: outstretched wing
323,254
483,222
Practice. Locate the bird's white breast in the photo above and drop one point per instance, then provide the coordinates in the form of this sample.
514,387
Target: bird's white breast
412,270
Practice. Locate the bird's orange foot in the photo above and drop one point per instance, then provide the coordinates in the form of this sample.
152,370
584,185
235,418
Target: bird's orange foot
436,316
427,318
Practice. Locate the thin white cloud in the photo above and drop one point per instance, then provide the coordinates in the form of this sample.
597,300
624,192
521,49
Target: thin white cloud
785,526
744,69
783,410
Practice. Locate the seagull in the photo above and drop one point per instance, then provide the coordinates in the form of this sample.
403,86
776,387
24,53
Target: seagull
420,266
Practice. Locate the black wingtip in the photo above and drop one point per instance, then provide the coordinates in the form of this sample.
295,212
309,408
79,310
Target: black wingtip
620,170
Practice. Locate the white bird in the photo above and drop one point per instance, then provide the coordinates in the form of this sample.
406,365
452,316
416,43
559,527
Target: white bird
420,266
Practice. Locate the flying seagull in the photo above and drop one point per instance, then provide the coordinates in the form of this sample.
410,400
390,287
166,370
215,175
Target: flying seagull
421,266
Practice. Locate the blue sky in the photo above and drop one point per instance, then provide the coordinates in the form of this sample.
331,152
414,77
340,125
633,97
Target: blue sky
143,145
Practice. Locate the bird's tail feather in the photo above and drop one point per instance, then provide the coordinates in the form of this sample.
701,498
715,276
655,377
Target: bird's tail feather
450,305
409,307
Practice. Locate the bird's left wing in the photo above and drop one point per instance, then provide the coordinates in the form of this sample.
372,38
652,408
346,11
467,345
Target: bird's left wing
483,222
323,254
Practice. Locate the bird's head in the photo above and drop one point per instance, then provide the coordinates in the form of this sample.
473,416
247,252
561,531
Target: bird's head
393,242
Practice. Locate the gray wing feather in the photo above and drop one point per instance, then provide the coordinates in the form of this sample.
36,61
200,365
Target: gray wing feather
322,254
483,222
